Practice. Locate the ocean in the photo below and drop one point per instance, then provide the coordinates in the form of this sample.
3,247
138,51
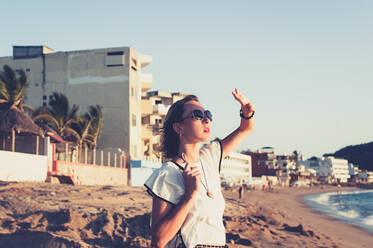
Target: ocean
352,207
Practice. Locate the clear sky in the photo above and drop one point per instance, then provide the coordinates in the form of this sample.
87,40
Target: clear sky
306,65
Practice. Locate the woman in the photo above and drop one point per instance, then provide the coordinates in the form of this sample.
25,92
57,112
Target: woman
188,204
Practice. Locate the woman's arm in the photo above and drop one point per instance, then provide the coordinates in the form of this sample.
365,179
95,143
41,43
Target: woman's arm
167,218
230,142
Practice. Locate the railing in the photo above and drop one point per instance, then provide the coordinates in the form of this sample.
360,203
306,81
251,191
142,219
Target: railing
74,154
20,142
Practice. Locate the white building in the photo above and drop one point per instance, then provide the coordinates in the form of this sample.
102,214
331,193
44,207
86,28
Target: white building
110,77
329,168
365,176
236,168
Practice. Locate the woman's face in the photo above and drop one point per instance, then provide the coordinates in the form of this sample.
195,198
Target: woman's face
192,128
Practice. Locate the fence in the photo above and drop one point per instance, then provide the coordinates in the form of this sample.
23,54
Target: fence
74,154
25,143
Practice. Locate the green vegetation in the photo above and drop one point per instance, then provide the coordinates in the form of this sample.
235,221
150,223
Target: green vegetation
361,155
12,87
58,116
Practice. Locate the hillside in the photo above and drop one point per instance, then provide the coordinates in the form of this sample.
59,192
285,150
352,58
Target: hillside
361,155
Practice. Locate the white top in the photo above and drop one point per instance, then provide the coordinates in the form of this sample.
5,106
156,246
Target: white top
204,223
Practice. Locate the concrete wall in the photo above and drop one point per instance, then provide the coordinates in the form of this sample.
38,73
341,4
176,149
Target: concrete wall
15,166
86,174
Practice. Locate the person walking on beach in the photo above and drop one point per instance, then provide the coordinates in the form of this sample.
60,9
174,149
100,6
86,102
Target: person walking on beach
241,191
188,204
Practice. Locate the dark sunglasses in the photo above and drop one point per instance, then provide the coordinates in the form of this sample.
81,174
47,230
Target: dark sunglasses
199,115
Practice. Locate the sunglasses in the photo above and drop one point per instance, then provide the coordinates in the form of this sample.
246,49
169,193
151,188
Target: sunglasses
199,115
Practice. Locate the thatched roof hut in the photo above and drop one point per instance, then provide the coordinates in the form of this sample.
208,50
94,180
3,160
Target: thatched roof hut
12,118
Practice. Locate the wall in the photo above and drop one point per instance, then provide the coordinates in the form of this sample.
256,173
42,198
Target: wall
86,174
141,170
20,167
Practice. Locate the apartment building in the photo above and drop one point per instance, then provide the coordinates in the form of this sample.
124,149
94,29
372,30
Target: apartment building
110,77
329,169
236,168
154,107
264,162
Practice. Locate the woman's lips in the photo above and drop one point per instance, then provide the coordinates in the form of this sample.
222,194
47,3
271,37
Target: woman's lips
206,130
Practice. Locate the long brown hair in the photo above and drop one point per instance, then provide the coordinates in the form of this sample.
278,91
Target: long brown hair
170,139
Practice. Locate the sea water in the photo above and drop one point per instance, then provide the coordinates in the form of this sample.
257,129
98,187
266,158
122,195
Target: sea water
352,207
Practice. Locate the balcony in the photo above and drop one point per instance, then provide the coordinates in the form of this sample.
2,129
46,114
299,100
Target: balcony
160,109
145,60
146,80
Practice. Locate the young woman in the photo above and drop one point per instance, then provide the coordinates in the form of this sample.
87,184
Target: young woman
188,204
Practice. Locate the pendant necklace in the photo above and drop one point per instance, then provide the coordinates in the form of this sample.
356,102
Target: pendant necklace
208,192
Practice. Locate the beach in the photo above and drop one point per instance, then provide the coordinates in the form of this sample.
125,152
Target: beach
54,215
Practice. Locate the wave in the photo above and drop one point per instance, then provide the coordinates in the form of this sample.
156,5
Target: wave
368,220
352,214
349,209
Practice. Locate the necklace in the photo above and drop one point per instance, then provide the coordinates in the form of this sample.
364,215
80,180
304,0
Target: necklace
208,192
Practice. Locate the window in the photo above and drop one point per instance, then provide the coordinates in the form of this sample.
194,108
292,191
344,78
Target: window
114,59
158,101
133,120
134,150
44,97
115,53
133,64
36,84
27,69
134,61
133,91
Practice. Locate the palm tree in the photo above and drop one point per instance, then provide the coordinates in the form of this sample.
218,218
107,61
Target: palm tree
13,88
58,115
95,115
81,133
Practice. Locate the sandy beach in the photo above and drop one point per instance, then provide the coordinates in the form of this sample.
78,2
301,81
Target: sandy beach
50,215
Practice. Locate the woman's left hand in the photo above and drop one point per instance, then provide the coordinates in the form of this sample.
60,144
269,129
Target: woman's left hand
247,107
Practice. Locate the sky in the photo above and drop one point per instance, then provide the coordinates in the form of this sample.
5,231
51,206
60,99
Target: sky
305,65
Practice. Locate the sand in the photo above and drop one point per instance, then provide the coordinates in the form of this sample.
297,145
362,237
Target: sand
50,215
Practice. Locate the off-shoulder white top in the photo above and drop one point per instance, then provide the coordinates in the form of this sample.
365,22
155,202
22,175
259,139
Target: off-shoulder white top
204,223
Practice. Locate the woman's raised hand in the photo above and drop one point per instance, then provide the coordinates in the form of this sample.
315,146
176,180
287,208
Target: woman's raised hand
247,107
192,177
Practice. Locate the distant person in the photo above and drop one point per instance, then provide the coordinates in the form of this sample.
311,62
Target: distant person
338,189
241,191
188,204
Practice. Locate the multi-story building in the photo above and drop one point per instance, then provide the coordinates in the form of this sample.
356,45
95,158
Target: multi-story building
236,168
154,107
110,77
263,162
365,176
329,169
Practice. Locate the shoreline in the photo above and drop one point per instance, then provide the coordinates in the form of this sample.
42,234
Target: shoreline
118,216
318,208
351,234
289,207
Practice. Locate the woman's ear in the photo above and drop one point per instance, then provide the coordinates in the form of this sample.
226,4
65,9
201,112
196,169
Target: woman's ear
176,126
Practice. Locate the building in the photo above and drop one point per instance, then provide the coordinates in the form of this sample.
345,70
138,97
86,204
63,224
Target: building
154,107
110,77
263,162
329,169
236,168
365,176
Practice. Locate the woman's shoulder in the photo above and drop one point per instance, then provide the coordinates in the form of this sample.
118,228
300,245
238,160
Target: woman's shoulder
213,146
